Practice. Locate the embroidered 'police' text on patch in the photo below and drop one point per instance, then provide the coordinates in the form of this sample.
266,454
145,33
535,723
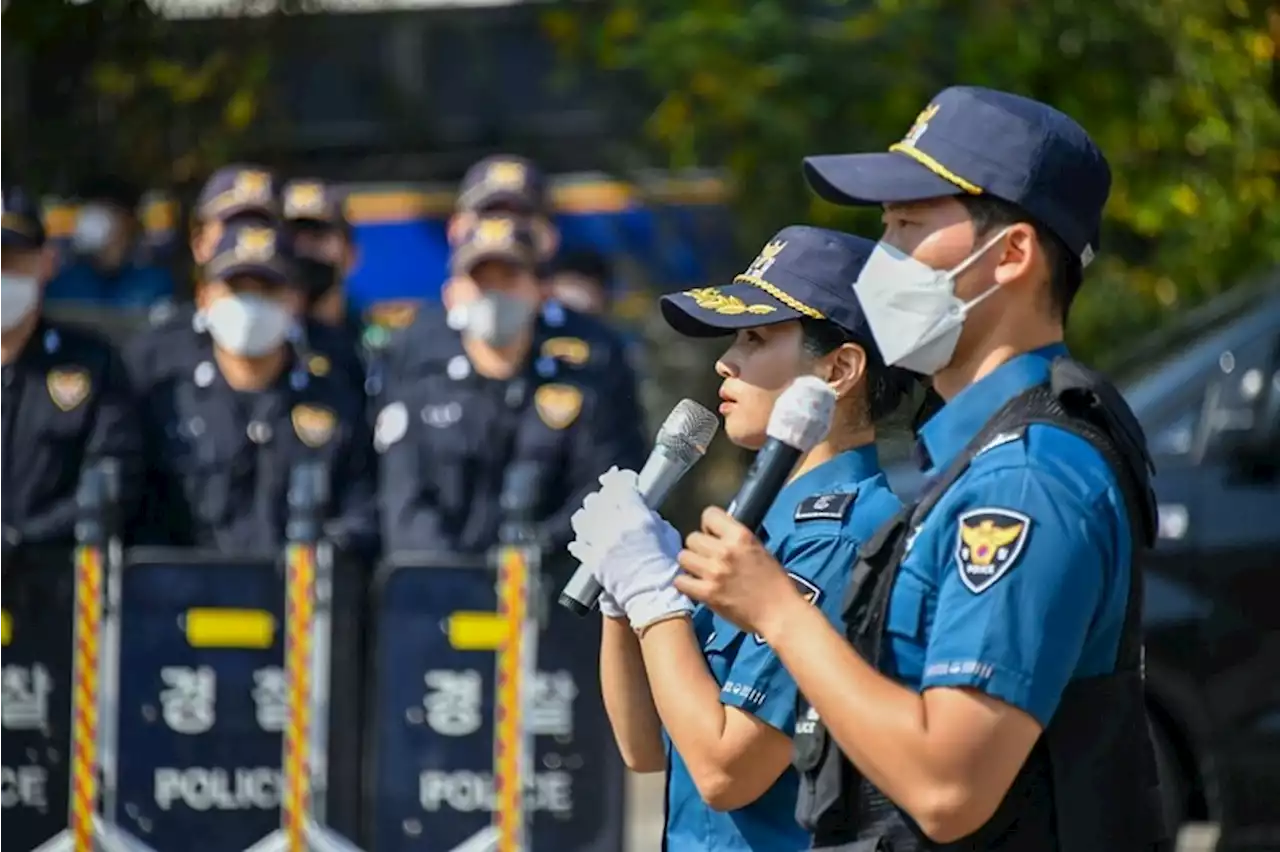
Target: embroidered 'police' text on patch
988,544
825,507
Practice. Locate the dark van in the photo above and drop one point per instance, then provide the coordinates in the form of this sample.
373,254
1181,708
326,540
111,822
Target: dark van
1208,396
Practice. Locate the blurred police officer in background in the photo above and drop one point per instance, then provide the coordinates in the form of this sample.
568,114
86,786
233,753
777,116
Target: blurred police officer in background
235,195
324,249
513,187
107,264
66,396
324,246
229,413
495,384
995,699
724,701
581,280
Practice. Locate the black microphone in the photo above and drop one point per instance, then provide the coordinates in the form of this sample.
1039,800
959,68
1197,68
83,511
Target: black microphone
801,417
682,440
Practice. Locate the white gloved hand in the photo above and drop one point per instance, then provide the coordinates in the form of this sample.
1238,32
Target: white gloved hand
609,607
631,550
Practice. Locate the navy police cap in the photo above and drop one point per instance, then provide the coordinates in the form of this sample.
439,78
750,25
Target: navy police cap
238,189
506,238
252,249
313,200
802,272
975,141
503,182
23,226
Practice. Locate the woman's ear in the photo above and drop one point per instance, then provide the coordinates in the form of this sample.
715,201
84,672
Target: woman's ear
848,363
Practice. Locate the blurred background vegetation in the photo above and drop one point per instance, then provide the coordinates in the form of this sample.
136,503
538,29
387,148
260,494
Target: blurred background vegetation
1183,95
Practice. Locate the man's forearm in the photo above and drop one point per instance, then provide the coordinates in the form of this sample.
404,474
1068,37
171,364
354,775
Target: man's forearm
879,724
627,700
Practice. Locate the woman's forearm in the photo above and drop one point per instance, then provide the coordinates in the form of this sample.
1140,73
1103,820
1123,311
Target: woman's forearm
627,699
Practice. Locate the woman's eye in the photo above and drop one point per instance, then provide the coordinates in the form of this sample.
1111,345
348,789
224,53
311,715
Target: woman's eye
755,338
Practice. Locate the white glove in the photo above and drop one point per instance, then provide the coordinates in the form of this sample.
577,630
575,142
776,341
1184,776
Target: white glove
609,607
631,550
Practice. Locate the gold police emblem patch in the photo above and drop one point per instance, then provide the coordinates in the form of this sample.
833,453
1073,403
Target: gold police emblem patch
304,199
571,350
251,186
314,425
988,544
505,175
68,387
491,233
920,125
711,299
558,405
255,244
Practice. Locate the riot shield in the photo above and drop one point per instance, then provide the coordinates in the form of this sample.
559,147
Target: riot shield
431,733
203,699
36,633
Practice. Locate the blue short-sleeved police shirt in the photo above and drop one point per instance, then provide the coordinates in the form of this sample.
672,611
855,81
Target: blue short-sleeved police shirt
1016,582
814,529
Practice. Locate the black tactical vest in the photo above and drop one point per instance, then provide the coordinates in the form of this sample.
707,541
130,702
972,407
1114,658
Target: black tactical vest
1089,784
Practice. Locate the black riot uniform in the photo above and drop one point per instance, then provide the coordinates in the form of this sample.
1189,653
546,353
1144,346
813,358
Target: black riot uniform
447,435
220,459
66,400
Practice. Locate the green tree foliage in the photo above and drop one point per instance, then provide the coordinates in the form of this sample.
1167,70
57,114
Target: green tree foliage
1181,94
108,85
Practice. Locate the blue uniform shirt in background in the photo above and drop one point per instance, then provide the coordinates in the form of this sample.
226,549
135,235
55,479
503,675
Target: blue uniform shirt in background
814,528
132,287
1016,583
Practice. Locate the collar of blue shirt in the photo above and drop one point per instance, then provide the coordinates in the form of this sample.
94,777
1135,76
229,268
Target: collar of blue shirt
838,474
955,424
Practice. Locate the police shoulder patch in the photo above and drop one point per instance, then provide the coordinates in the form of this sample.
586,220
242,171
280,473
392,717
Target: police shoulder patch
989,542
572,350
558,405
313,424
825,507
68,387
808,590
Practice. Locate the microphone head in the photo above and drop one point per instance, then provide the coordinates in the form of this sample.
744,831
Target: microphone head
688,430
802,415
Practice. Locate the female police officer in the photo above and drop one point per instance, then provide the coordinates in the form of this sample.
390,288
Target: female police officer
721,695
995,700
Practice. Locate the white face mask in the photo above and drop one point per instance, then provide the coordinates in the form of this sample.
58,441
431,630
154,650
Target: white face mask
95,226
248,325
19,295
495,318
912,308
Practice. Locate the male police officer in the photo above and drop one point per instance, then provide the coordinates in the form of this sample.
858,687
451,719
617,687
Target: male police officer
995,700
230,412
66,399
506,184
108,266
496,385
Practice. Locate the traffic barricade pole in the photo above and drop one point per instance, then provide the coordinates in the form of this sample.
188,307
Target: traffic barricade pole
99,560
309,580
520,617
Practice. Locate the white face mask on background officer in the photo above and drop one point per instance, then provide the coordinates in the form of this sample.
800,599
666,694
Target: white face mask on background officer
27,262
493,297
103,235
248,318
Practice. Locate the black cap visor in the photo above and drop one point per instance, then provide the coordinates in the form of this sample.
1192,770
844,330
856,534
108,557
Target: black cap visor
860,180
721,311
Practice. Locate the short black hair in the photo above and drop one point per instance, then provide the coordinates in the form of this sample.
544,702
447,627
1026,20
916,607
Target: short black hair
886,386
1065,271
